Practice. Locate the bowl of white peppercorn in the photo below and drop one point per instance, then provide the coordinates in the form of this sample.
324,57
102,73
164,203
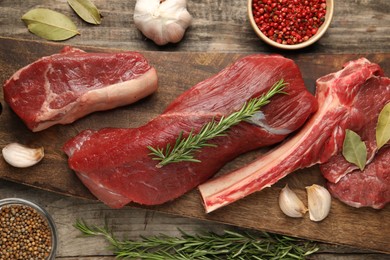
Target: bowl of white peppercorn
27,231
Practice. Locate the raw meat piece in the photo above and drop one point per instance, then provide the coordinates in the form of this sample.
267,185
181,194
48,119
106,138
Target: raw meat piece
339,97
115,163
370,187
367,188
375,94
61,88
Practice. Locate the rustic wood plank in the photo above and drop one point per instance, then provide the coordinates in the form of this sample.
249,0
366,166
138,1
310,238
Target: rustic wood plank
218,26
177,72
131,223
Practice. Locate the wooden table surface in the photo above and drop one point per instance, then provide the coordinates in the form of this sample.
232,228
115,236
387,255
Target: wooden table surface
359,26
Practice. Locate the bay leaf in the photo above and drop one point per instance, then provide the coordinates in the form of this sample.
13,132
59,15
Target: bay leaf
354,149
383,127
49,24
86,10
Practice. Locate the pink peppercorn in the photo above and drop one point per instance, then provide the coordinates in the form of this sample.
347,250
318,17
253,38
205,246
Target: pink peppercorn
289,21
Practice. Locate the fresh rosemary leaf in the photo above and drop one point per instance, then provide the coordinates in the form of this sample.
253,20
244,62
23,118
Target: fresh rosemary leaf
229,245
184,148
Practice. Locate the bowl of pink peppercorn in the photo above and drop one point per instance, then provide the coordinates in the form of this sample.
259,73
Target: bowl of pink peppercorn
290,24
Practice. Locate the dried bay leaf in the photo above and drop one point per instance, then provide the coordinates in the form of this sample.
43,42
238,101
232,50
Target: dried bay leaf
354,149
383,126
49,24
86,10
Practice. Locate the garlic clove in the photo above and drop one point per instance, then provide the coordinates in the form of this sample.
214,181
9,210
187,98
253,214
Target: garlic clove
319,202
290,204
21,156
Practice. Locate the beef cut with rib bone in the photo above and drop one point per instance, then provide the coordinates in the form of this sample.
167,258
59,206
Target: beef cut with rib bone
344,99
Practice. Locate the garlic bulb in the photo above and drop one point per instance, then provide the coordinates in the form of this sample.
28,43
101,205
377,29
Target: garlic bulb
319,201
22,156
162,21
290,204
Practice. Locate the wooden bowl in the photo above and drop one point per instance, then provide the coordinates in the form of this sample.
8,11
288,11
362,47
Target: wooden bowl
320,32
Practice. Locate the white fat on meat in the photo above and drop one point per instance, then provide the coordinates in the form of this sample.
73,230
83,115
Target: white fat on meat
101,99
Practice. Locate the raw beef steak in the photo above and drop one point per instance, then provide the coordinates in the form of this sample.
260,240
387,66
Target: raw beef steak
344,103
370,187
367,188
61,88
374,95
115,163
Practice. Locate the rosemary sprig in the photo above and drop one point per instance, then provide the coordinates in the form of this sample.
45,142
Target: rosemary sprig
229,245
184,147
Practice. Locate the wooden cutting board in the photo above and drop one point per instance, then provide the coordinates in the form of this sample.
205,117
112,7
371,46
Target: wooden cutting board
178,71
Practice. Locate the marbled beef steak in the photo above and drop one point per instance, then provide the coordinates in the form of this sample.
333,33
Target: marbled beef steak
64,87
370,187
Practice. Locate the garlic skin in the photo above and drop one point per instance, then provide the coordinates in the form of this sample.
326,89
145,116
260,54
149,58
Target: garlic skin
319,202
290,204
22,156
162,21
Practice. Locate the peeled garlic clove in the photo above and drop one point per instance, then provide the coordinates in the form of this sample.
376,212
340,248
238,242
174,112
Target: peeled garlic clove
290,204
319,201
22,156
